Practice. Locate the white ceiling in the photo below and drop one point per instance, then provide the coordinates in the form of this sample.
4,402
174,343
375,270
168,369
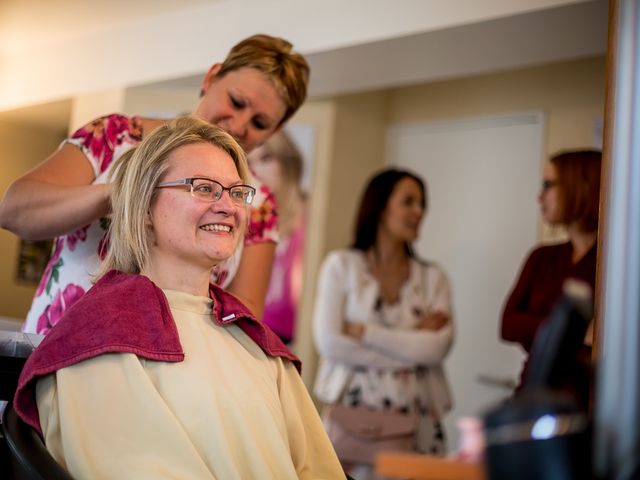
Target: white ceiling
535,38
575,29
38,22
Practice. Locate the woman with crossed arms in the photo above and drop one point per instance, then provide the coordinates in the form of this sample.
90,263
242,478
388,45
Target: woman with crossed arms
383,322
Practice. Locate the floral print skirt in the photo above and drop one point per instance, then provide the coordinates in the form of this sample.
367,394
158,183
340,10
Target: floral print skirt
403,391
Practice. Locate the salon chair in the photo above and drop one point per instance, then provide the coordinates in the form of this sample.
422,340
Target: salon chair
29,459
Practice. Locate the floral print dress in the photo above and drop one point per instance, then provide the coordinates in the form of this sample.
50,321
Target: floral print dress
76,256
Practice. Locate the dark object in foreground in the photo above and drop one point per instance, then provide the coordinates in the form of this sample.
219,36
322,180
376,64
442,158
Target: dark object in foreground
543,432
29,459
15,347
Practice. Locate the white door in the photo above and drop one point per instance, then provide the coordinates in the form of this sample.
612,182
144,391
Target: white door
482,177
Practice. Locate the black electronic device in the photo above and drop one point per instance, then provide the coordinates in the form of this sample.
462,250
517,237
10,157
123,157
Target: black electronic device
555,354
543,432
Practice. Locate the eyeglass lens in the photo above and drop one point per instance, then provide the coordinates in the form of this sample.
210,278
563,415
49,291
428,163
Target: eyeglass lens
212,191
547,184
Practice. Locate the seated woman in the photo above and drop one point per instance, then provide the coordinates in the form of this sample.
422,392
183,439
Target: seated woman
156,373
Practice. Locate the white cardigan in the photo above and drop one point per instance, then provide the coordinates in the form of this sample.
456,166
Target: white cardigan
347,292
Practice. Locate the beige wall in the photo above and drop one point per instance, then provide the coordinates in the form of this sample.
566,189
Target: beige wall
159,102
570,94
21,148
358,149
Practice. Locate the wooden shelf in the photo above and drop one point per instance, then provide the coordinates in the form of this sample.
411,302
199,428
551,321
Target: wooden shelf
426,467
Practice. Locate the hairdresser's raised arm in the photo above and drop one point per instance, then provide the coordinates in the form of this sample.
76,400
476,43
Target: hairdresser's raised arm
54,198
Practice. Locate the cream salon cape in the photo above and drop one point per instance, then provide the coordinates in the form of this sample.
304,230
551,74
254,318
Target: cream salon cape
140,383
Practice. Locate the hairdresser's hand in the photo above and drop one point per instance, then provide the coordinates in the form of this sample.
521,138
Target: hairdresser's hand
433,321
354,330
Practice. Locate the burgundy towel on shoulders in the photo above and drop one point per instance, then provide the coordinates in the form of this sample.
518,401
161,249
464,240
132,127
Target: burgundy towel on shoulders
259,332
126,313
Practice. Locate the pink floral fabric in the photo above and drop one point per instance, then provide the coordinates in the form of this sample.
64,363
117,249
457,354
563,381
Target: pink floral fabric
76,256
263,216
61,301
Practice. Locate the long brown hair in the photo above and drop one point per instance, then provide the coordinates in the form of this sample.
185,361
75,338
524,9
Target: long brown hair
374,201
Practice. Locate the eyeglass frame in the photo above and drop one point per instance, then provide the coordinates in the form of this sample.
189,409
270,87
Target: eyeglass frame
548,185
189,181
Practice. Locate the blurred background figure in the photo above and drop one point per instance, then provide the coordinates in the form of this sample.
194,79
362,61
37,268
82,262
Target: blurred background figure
383,323
279,165
569,197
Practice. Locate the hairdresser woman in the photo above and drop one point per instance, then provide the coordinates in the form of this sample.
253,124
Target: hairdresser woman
257,88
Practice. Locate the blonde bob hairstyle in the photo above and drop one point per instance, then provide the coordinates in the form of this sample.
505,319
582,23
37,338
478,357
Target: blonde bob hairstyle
134,188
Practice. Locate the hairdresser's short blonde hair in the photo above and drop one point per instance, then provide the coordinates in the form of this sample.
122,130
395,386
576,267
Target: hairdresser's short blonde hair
139,171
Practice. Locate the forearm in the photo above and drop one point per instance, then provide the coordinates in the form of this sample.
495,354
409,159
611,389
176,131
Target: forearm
418,347
520,327
519,324
352,352
35,210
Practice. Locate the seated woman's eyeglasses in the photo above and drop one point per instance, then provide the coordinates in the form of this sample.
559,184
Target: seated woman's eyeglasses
211,191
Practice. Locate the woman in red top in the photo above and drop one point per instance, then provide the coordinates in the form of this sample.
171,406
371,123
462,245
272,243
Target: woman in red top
569,197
